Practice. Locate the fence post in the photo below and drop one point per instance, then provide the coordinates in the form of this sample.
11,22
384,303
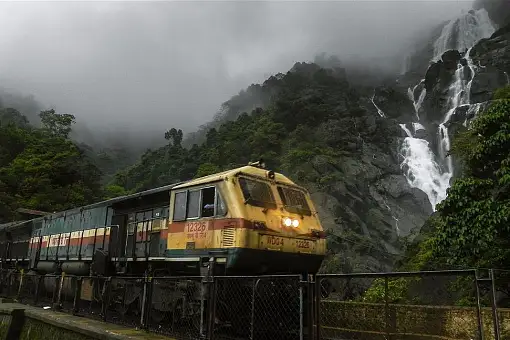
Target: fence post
386,308
40,278
302,283
478,308
22,274
495,317
105,297
211,307
56,304
146,302
310,290
318,296
77,295
253,305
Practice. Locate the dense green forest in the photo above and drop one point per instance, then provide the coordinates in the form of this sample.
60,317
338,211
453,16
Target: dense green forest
284,134
40,168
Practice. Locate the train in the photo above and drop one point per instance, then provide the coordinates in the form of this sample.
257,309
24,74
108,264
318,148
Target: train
244,221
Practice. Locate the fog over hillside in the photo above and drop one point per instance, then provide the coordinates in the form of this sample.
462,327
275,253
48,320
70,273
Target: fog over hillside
148,66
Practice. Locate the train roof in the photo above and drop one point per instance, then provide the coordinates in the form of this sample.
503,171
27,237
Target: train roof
247,170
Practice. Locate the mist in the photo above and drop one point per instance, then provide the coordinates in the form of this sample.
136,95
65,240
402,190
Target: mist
150,66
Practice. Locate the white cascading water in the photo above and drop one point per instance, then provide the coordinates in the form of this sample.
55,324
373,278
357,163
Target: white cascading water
458,93
420,164
379,111
464,32
421,98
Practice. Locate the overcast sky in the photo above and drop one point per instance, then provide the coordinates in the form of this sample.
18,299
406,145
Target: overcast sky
171,64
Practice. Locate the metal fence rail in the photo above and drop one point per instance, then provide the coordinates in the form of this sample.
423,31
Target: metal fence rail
459,304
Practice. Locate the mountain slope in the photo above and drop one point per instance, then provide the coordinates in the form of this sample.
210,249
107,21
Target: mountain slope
317,129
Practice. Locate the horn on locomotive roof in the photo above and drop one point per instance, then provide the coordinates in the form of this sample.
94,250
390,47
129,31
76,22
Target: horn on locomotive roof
259,164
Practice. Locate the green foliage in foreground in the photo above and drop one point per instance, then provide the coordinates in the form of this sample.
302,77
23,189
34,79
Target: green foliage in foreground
473,228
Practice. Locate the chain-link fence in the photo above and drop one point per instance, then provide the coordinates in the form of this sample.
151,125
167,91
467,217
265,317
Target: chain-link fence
270,307
494,288
425,305
419,305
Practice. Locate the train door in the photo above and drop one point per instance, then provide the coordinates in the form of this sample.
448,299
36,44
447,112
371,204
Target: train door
118,236
141,232
34,248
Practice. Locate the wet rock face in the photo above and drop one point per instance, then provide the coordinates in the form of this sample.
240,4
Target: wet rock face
485,82
393,103
493,58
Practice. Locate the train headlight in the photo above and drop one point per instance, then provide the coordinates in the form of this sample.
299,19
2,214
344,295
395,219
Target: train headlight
287,222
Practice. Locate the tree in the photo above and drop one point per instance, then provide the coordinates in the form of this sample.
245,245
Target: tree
57,124
12,116
174,136
43,171
473,226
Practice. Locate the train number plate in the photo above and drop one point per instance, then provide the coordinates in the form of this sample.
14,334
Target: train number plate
304,245
272,242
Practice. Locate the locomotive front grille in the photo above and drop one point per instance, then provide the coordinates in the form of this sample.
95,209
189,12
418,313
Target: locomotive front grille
228,237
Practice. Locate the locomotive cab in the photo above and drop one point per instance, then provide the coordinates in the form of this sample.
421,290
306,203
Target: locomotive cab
249,220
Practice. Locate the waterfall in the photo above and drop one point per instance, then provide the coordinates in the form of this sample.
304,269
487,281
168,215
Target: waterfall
458,94
507,79
464,32
419,165
423,169
417,103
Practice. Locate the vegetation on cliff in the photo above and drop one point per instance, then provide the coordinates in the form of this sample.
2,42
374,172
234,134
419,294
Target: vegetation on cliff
472,224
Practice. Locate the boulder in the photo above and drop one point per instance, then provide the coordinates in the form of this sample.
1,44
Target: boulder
450,59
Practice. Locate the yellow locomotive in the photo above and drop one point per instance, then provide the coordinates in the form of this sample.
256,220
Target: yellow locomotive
250,219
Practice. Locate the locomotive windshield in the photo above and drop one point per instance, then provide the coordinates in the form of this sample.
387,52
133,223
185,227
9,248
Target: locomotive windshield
294,201
257,193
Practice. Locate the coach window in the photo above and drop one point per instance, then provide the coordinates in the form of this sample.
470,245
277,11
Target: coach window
131,223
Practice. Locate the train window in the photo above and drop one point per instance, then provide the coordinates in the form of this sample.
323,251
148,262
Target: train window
257,193
139,216
221,209
180,206
208,195
294,201
147,215
193,210
160,213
